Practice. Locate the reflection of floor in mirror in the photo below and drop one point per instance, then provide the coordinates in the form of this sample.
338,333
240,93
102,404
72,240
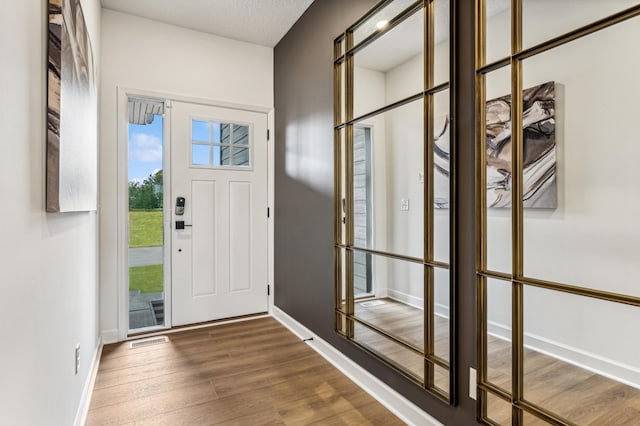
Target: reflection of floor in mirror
405,322
576,394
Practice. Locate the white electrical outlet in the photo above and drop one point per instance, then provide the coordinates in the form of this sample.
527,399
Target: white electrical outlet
404,204
77,358
473,383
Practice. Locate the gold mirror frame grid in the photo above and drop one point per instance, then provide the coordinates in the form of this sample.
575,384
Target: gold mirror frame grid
517,279
344,51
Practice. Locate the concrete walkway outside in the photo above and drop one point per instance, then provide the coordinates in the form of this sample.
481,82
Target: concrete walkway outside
144,256
141,309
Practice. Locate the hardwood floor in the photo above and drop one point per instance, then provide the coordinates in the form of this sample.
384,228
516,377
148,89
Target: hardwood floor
405,322
257,372
576,394
247,373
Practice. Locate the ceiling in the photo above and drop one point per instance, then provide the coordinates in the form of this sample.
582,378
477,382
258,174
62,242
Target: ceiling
405,40
395,47
262,22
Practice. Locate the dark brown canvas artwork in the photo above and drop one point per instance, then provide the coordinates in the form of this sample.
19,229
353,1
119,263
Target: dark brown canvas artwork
71,111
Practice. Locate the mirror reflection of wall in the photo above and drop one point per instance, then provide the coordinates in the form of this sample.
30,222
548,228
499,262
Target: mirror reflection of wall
556,292
389,274
578,344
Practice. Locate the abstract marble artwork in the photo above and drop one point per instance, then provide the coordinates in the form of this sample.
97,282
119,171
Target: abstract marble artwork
72,110
539,154
442,133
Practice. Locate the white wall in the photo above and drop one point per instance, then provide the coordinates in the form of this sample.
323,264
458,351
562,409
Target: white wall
48,261
592,239
368,95
398,153
146,55
405,160
405,156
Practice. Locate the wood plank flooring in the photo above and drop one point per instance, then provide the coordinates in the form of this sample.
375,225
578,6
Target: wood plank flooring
257,372
578,395
247,373
407,323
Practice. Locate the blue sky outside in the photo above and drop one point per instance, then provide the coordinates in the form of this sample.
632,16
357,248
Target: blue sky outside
145,149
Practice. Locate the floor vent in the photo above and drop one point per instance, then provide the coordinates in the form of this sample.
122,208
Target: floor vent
148,342
372,303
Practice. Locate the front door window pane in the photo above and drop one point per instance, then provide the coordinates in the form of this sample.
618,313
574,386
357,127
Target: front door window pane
200,155
218,144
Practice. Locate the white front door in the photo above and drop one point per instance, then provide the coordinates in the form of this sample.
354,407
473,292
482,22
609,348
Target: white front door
219,166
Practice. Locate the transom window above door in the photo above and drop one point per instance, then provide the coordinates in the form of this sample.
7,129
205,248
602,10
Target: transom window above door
219,144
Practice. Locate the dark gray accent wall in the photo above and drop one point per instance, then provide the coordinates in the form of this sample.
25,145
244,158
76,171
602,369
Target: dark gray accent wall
304,191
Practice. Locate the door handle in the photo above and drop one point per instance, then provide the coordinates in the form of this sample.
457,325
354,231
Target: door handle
180,224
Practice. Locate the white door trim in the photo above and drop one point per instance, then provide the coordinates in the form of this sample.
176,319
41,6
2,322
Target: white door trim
123,93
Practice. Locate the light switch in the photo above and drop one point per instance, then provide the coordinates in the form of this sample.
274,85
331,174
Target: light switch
421,177
473,383
404,204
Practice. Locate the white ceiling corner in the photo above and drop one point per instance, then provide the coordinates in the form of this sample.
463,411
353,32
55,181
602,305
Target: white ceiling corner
262,22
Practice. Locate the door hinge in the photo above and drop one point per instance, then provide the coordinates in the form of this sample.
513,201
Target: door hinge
268,212
267,134
268,290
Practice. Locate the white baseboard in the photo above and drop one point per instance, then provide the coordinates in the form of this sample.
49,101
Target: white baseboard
417,302
87,391
109,336
408,299
442,310
382,293
614,370
404,409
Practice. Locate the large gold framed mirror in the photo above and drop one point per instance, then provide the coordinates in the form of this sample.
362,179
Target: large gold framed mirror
393,191
558,302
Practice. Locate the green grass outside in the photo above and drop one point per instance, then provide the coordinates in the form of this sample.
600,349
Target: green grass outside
147,279
145,228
